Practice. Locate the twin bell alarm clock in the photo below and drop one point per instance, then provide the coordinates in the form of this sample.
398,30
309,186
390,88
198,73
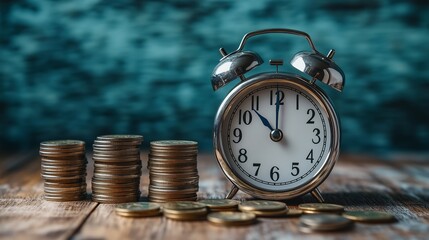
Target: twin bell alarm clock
276,134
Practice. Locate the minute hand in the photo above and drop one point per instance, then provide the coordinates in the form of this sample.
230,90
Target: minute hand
277,108
264,120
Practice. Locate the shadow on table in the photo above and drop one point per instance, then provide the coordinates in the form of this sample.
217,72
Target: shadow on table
371,199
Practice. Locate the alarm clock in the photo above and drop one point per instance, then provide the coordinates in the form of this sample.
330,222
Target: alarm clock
276,134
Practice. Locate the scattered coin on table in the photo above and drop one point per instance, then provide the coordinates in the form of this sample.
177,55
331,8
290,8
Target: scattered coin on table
138,209
369,216
220,205
262,205
324,222
231,218
185,210
314,208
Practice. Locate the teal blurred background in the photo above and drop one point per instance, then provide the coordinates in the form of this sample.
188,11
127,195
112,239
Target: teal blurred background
82,68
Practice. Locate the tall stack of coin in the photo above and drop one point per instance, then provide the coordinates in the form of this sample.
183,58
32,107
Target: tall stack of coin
117,168
63,166
173,171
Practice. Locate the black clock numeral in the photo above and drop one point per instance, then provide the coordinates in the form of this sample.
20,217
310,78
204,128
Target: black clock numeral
238,134
312,113
257,165
295,169
310,156
242,157
245,117
255,102
317,131
273,97
274,174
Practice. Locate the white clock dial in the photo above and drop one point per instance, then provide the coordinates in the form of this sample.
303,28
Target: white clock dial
276,137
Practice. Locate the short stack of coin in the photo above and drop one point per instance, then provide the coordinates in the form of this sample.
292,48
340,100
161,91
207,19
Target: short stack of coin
117,168
185,211
63,168
173,171
264,208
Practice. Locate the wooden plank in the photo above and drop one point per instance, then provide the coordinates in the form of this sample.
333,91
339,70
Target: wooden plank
24,214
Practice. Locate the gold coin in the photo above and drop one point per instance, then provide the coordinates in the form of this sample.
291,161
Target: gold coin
64,185
138,209
63,179
173,160
325,222
121,137
321,207
139,215
163,200
278,213
293,213
61,154
231,218
186,215
62,150
183,205
261,205
169,143
114,191
172,197
112,144
307,229
62,143
369,216
219,204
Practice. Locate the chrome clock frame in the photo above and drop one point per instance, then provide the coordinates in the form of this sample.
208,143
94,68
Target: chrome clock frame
298,82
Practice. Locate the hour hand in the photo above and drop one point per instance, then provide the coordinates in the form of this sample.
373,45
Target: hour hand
264,120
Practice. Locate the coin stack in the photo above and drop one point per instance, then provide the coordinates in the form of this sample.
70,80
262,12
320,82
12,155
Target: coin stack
185,211
63,168
117,168
263,208
173,171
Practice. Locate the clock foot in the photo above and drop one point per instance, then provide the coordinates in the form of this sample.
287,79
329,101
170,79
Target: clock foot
316,194
232,192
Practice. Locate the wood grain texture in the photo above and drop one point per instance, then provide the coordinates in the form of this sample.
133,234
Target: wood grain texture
400,187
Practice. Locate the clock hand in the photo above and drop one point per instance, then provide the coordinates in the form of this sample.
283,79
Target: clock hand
277,108
276,135
264,120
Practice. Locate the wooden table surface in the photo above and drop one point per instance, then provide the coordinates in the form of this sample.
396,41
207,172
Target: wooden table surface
400,187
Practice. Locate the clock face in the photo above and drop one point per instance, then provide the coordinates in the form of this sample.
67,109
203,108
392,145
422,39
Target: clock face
276,136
